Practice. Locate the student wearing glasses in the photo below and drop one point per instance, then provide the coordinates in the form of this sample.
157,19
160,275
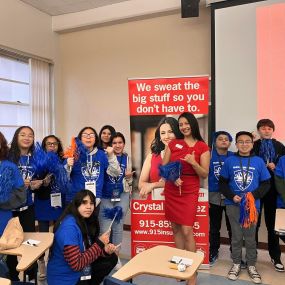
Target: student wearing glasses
49,198
243,178
87,171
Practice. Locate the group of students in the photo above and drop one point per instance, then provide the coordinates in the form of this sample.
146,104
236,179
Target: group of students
89,211
258,168
87,240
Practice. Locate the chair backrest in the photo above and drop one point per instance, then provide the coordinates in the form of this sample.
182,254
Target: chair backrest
114,281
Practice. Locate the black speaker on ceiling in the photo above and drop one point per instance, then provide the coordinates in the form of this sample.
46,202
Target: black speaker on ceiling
189,8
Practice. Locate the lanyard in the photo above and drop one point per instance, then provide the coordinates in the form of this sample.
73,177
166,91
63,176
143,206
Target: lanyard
244,178
24,167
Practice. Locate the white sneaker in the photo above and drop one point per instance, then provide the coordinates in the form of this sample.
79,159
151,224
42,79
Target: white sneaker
119,264
234,272
41,270
254,275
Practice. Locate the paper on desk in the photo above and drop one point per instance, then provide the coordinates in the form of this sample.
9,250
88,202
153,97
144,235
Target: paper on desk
31,242
182,260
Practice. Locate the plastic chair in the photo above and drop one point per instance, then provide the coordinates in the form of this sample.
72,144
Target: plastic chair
114,281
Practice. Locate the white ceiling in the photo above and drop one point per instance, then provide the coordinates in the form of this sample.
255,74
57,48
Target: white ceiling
60,7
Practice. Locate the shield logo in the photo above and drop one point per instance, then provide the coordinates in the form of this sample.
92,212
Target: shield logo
217,170
91,172
248,175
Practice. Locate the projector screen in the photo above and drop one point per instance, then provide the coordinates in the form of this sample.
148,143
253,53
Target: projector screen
248,68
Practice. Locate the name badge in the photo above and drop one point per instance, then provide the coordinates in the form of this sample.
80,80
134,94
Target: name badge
86,273
91,186
55,200
116,194
179,146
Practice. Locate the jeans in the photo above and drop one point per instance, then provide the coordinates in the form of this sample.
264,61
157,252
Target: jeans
117,227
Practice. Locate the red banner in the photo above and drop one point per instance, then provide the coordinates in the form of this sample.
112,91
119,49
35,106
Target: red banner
161,96
151,100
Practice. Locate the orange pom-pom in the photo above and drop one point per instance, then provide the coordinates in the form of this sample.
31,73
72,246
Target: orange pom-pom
251,210
72,150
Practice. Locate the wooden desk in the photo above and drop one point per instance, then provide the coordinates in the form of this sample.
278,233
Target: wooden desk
280,221
30,254
4,281
155,261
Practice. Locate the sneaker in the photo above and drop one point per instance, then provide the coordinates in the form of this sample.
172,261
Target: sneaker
234,272
243,264
119,264
213,258
42,270
278,265
253,274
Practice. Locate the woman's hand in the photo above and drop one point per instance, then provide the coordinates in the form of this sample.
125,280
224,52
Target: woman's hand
129,173
110,248
190,158
27,183
109,150
70,161
47,180
36,184
145,189
105,237
178,182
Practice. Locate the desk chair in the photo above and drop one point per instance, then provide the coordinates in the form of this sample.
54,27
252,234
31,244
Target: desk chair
114,281
280,222
155,261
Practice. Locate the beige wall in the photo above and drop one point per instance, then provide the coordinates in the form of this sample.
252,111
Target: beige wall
96,63
26,29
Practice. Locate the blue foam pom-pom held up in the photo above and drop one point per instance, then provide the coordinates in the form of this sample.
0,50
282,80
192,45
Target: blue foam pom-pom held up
171,171
111,213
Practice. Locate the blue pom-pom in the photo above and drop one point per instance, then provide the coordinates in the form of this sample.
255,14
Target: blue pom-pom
243,211
111,213
39,160
81,150
6,184
171,171
56,168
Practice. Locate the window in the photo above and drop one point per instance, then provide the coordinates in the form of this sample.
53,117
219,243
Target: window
15,101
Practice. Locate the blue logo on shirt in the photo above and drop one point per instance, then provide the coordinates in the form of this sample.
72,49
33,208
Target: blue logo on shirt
243,183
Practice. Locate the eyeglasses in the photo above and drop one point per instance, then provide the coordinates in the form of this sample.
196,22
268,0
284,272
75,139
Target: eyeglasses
52,143
244,142
85,135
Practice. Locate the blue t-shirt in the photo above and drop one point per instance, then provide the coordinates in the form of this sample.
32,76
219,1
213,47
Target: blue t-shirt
92,170
16,182
216,164
111,182
240,182
280,171
58,270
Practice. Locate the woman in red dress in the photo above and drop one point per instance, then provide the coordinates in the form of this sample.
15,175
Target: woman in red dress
181,196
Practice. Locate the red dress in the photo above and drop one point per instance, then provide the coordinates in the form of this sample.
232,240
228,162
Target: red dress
181,209
156,161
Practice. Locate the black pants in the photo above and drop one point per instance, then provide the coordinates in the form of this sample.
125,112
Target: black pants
216,215
269,204
27,220
101,267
